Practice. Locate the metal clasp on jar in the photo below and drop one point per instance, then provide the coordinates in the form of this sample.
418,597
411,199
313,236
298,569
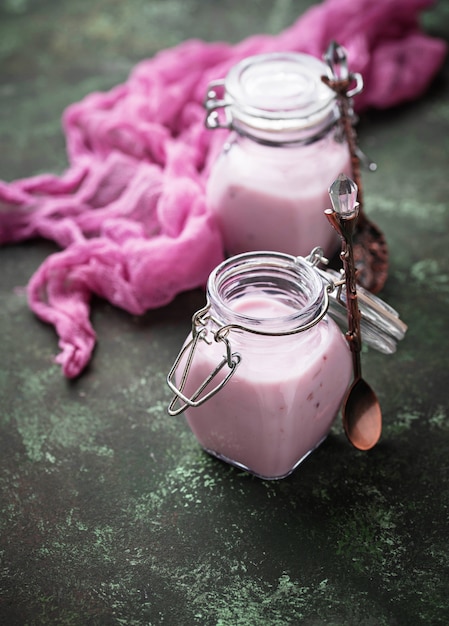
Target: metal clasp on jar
215,101
231,360
380,324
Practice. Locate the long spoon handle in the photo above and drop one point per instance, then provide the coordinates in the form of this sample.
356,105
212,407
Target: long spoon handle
345,226
353,334
346,85
362,417
370,247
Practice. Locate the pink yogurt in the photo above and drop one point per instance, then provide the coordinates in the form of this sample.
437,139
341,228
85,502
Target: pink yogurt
283,397
267,198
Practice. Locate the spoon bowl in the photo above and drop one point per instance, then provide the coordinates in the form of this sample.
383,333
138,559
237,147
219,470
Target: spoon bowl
362,416
370,255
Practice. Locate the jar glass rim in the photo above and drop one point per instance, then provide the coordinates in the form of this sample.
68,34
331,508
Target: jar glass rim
288,279
280,89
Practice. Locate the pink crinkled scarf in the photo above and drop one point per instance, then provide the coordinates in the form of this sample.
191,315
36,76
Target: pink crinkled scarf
129,212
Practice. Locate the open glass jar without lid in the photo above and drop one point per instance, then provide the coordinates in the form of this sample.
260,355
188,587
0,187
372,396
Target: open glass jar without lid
264,371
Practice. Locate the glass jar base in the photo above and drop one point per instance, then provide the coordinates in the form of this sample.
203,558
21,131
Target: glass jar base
243,467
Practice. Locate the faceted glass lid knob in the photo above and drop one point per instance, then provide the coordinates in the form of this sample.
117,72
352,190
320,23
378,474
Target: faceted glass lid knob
343,195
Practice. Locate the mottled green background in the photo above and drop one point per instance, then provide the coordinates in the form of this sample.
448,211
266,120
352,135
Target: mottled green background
111,514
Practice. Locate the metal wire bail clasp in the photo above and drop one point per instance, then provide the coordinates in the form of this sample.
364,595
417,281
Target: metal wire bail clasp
230,359
213,103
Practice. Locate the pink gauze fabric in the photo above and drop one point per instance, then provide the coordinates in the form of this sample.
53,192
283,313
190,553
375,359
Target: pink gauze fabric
129,213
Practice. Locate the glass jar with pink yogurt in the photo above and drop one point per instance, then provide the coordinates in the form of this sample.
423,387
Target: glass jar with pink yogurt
268,188
264,371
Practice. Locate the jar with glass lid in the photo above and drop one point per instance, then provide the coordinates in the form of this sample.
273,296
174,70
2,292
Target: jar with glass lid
268,188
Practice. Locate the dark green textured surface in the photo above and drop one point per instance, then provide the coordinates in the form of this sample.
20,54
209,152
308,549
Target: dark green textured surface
111,514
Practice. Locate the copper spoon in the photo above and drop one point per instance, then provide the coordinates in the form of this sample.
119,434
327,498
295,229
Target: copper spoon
369,244
362,416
